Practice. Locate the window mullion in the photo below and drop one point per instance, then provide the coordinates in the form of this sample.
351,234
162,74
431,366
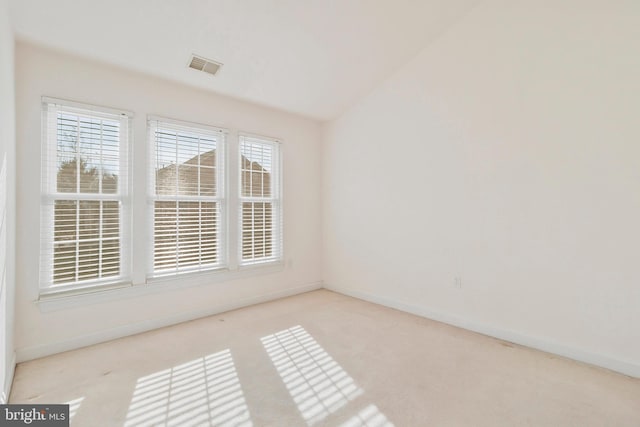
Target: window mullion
77,153
100,203
100,170
100,226
253,229
176,192
199,203
78,182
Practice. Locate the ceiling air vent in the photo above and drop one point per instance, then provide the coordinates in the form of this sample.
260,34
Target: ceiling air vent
203,64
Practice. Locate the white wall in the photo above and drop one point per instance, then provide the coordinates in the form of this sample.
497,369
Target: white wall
506,153
7,201
43,72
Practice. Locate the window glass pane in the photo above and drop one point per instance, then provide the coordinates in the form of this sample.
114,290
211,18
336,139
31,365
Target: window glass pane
89,219
65,234
185,234
110,219
256,166
65,220
110,257
86,240
87,154
165,234
257,230
88,259
65,259
207,181
67,175
209,227
185,163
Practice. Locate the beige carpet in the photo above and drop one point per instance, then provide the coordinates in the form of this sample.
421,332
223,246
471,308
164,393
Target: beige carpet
323,359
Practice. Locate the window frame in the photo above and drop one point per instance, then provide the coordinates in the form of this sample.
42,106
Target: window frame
50,194
275,199
221,197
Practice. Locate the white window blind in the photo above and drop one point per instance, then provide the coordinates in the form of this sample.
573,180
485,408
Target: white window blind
188,200
260,213
84,213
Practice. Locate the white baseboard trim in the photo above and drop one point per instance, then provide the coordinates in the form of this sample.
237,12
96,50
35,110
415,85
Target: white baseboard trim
8,382
35,352
603,361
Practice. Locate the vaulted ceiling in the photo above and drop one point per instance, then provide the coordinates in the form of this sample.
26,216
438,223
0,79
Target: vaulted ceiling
311,57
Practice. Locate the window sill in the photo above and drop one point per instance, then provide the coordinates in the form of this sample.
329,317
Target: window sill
55,301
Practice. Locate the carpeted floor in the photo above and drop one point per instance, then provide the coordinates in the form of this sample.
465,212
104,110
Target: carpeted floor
324,359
